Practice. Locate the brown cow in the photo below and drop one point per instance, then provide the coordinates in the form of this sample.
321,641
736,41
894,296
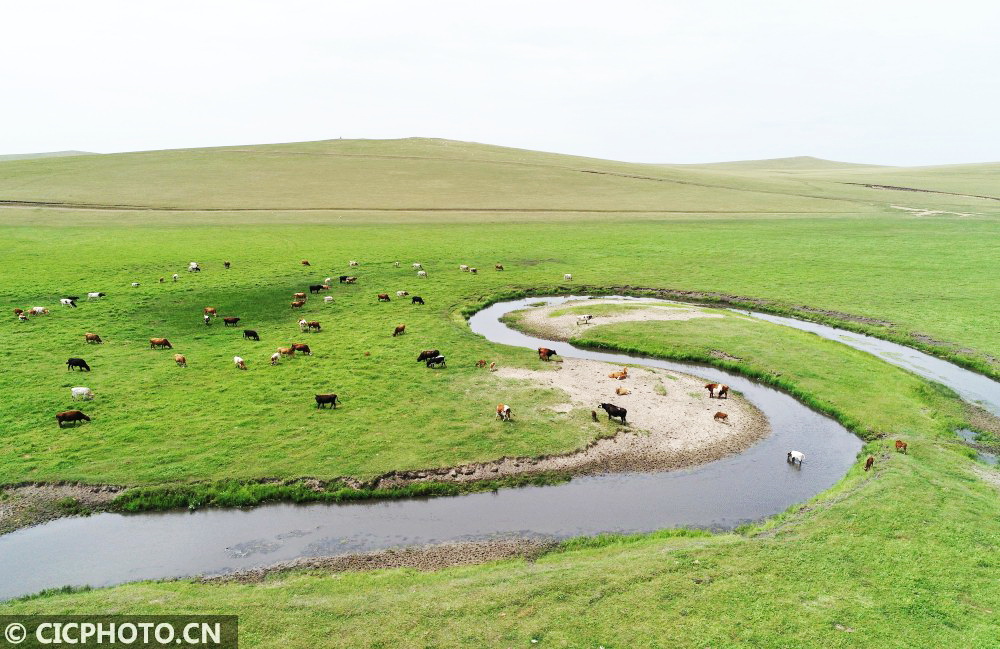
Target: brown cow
620,391
302,348
503,412
161,343
498,266
399,330
901,446
210,310
721,416
621,376
305,262
18,311
313,324
299,296
544,353
428,354
480,363
593,415
723,390
383,297
869,462
180,360
326,398
230,321
70,415
286,351
92,338
298,304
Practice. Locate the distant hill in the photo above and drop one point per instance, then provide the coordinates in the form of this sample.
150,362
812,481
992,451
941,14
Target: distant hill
797,163
50,154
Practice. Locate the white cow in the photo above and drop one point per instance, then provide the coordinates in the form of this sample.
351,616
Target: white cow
176,277
135,284
567,277
328,299
402,293
275,358
193,267
95,296
328,280
239,362
463,267
795,456
417,266
396,264
38,310
302,325
584,319
352,263
65,301
422,274
81,393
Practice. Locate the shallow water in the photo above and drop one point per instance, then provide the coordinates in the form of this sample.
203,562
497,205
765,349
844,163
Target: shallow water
106,549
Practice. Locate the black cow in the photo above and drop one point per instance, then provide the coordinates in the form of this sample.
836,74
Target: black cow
251,335
428,353
614,411
315,288
326,398
416,299
343,278
437,360
70,416
77,362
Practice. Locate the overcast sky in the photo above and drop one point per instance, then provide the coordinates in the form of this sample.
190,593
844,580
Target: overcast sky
914,82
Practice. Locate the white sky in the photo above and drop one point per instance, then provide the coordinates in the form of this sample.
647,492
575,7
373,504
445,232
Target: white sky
885,81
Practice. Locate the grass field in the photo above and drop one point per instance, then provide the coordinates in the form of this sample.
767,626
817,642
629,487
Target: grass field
904,557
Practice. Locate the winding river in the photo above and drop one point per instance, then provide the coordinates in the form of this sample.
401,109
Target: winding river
107,549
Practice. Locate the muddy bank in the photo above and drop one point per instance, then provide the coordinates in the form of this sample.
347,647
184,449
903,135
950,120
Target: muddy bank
24,505
425,558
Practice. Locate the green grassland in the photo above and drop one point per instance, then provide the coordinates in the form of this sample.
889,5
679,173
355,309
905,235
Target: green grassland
903,557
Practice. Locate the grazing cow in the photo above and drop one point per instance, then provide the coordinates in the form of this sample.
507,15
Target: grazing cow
463,267
481,363
869,462
383,297
92,338
428,353
95,296
396,264
230,321
38,310
176,277
567,277
302,348
275,357
163,279
417,266
286,351
250,334
900,446
326,398
402,293
328,299
621,376
18,311
305,262
614,411
193,267
621,392
135,284
316,288
437,360
302,325
313,325
498,266
85,394
67,302
239,362
584,319
343,278
180,360
352,263
544,353
298,304
351,280
422,274
723,390
721,416
399,330
22,317
473,270
299,296
70,415
226,264
161,343
593,415
503,412
493,367
795,456
210,310
77,362
208,320
416,299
